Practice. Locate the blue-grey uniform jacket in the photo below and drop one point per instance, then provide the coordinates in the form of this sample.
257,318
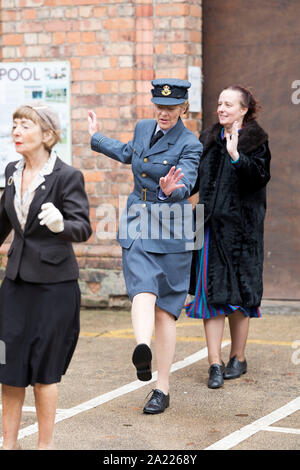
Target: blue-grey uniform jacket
165,226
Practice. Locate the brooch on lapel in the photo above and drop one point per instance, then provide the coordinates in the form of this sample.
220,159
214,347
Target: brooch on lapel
43,187
10,181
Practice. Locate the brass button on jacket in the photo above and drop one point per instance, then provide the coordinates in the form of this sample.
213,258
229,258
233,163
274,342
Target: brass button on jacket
144,175
145,159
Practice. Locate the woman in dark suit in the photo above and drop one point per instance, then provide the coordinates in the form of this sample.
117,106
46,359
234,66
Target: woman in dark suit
45,203
227,272
156,267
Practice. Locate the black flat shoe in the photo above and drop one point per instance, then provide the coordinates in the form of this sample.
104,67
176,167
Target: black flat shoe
216,372
142,358
235,368
157,403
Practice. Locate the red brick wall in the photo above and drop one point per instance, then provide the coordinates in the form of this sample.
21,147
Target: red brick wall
115,48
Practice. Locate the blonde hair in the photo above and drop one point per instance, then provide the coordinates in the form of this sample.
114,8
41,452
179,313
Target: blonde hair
28,112
185,106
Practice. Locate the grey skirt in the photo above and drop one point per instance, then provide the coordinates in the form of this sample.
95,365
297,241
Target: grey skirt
166,275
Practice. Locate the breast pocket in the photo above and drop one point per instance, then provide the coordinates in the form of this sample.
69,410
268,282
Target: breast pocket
163,165
165,161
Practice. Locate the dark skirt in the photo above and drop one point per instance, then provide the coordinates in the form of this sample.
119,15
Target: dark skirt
39,328
199,307
167,275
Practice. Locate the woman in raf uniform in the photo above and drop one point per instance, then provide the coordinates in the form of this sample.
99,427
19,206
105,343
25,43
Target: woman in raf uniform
45,203
164,156
226,275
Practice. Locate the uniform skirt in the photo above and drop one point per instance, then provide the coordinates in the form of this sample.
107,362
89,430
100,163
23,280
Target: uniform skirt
39,328
166,275
199,307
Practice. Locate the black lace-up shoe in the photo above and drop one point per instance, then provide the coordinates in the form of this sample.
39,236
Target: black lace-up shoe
235,368
142,358
216,372
157,403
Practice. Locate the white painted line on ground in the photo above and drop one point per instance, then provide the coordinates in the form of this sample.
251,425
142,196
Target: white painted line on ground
106,397
261,424
31,409
131,387
280,429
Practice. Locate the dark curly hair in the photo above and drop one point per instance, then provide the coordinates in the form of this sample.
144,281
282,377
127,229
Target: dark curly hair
247,101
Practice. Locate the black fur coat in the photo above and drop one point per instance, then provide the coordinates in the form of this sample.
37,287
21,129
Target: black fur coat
234,198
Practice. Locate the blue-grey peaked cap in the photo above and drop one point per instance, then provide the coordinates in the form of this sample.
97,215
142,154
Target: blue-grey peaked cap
169,91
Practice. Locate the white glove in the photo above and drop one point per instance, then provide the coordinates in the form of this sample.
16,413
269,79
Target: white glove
51,217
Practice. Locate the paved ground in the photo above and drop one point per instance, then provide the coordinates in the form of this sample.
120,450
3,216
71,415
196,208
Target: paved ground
100,399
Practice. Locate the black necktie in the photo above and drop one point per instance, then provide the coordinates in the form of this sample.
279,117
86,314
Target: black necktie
156,137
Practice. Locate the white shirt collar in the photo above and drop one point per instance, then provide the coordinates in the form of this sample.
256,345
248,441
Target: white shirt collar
45,170
165,131
39,179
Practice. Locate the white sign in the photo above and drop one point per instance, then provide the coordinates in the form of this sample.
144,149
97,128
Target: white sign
27,82
195,92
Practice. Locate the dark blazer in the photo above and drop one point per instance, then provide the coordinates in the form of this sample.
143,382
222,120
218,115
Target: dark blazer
234,198
37,254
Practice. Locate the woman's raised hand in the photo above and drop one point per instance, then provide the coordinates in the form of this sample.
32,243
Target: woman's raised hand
232,141
170,182
92,123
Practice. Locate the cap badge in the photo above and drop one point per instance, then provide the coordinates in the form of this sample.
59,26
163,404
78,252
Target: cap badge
166,90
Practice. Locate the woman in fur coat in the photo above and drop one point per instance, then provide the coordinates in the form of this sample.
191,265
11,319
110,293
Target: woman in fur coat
226,276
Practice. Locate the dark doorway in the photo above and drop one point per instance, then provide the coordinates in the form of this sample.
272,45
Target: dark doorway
257,44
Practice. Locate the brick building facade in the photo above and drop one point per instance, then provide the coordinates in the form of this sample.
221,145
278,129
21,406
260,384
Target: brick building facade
115,48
